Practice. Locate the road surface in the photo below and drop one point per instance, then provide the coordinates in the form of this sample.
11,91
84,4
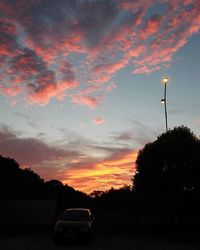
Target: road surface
99,243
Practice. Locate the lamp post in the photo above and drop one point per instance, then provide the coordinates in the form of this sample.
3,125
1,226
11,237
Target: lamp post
165,80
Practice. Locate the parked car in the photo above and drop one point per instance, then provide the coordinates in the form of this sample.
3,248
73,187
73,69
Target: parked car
74,223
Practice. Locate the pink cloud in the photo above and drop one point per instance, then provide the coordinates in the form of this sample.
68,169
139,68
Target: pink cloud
47,92
86,100
10,92
145,70
111,68
98,120
151,27
110,87
102,73
136,52
41,64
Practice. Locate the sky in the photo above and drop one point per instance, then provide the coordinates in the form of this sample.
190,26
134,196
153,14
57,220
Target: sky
80,83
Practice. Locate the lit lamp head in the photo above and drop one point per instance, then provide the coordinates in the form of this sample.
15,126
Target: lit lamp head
165,79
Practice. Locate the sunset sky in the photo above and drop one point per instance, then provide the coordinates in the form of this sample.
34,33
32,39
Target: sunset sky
80,83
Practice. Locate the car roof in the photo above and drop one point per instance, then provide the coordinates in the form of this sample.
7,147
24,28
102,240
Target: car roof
78,209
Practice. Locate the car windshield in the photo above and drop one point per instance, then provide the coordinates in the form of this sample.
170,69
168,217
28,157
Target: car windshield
75,215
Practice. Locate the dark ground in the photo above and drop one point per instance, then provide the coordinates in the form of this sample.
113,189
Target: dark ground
101,242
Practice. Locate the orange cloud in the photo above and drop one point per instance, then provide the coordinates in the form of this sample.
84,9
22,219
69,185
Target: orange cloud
79,170
102,175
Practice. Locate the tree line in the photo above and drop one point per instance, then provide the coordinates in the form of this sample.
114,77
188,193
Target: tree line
24,184
166,182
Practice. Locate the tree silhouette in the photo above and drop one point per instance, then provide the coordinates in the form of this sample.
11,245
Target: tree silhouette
167,177
9,176
113,199
31,184
169,164
18,184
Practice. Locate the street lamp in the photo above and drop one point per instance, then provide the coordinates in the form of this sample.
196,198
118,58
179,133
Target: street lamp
165,80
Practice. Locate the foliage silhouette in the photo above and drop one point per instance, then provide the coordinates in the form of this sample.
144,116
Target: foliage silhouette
169,164
167,176
115,200
25,184
9,177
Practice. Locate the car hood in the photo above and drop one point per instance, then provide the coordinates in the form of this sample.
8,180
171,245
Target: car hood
74,224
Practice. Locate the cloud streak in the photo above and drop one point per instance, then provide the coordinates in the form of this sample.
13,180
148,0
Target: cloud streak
31,151
40,40
83,164
115,171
